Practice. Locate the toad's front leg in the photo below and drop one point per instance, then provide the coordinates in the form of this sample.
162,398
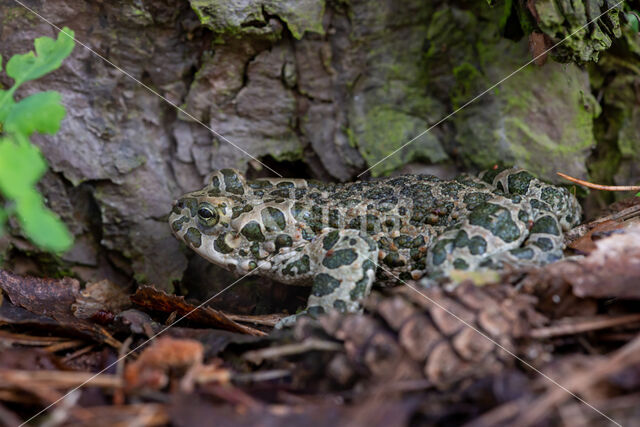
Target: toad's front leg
344,270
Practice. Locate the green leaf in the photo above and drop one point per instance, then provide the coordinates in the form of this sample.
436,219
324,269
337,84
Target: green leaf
21,166
3,219
634,21
40,112
48,57
6,102
41,225
21,163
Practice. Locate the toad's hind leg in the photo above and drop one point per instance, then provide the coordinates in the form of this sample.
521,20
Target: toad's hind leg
344,270
496,233
544,245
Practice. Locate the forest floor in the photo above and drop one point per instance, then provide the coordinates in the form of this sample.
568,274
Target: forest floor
558,345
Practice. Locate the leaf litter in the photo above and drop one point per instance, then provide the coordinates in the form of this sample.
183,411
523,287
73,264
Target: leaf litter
404,362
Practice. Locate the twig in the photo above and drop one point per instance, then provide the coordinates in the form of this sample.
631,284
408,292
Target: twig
579,326
258,376
542,406
18,396
599,186
623,215
118,394
153,414
58,379
53,348
257,356
266,320
24,339
77,353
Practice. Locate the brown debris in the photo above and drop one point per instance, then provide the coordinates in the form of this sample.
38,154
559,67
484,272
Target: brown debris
52,298
100,298
153,299
423,356
586,243
579,381
570,326
150,370
539,43
612,270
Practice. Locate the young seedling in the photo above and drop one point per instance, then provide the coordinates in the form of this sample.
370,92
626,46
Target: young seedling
21,163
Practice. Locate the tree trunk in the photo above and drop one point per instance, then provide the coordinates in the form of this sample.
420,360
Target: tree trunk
312,89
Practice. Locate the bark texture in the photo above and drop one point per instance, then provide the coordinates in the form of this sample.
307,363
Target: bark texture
314,88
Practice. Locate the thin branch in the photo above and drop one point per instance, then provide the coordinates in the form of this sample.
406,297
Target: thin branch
576,326
599,186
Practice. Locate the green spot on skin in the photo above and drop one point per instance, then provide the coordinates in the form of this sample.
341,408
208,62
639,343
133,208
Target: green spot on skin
393,260
405,276
191,204
340,305
544,243
285,184
368,265
360,289
308,234
255,250
355,223
461,240
339,258
547,224
460,264
300,212
495,219
283,241
252,232
221,246
522,253
259,184
403,241
440,251
324,284
236,211
330,240
273,219
177,224
416,254
523,216
373,224
477,245
519,182
335,219
282,192
297,267
193,237
215,183
369,241
474,199
232,183
552,196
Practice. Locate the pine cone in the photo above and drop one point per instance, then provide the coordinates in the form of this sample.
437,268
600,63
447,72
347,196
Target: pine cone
411,336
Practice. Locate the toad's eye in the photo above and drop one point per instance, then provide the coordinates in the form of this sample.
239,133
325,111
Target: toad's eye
208,215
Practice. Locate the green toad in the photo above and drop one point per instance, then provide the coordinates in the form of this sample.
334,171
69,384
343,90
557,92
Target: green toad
340,238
